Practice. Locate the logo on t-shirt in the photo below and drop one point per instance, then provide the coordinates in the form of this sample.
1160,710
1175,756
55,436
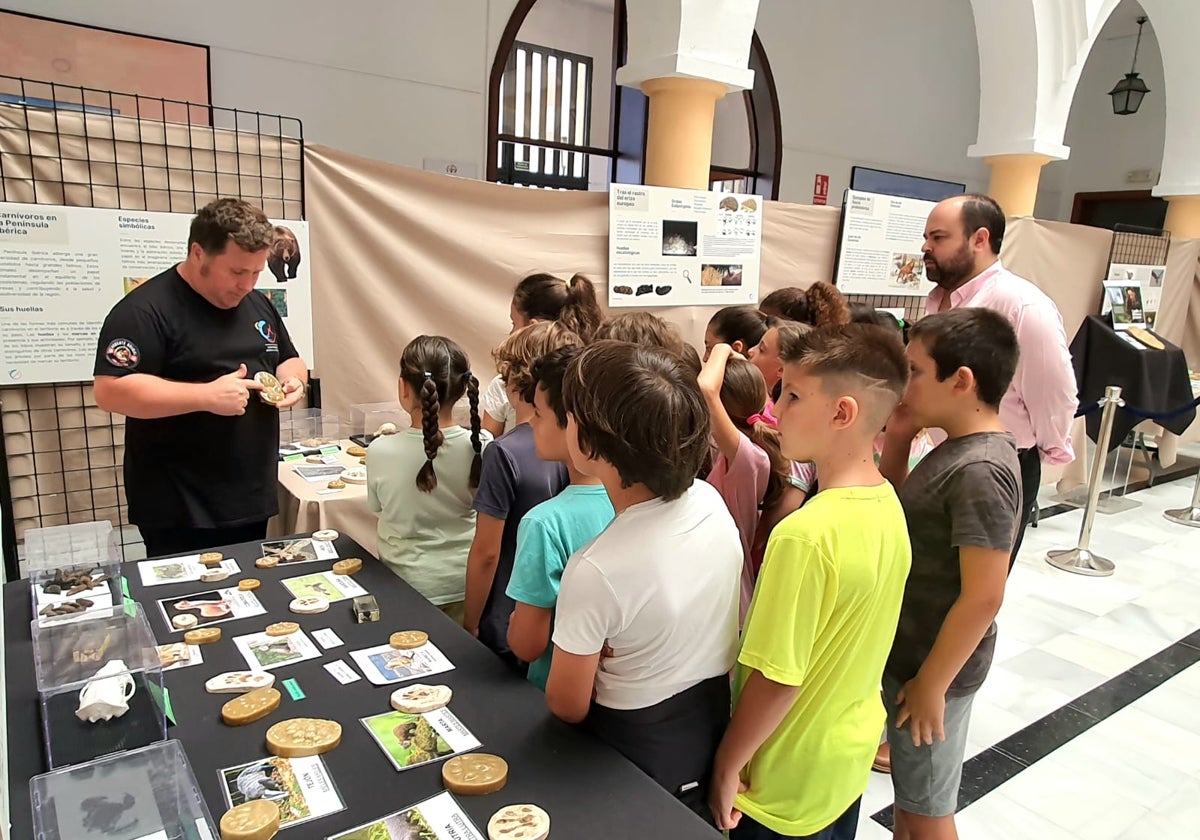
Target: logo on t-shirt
266,331
122,353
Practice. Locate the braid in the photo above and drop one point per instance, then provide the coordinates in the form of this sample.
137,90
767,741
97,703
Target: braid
473,400
430,407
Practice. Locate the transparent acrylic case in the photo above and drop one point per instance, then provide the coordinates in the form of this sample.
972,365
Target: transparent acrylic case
145,793
307,430
66,659
366,418
74,571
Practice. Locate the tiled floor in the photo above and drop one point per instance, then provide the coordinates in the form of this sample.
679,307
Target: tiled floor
1135,773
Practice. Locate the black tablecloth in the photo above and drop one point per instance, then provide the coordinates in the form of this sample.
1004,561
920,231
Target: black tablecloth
1150,380
589,790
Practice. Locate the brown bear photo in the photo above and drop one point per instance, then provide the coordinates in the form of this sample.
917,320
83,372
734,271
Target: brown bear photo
284,257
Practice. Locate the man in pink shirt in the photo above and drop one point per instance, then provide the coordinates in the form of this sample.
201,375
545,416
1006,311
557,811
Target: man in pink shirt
962,246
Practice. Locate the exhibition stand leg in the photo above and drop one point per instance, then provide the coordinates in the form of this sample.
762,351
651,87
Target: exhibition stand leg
1188,515
1080,559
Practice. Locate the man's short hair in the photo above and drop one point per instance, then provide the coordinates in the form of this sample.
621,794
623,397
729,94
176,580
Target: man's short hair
641,410
547,373
231,220
863,360
982,340
982,211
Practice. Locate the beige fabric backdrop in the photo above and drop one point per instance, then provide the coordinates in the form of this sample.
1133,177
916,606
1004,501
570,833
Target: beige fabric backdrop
398,252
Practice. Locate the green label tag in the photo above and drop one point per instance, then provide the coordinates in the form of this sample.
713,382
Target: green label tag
293,689
125,586
332,449
297,457
162,696
130,607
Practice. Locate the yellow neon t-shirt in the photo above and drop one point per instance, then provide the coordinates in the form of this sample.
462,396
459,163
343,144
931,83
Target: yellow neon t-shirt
823,618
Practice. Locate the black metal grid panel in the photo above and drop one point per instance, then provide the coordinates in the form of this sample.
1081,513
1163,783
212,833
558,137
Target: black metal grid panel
913,305
1134,246
81,147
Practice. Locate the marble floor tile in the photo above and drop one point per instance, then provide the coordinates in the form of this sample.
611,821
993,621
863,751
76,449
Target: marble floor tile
1089,653
1134,637
997,817
1039,667
1077,799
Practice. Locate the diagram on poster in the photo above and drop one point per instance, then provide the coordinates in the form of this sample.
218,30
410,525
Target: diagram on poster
879,250
1127,286
264,653
410,740
301,787
63,268
437,818
325,585
384,664
179,569
211,607
669,247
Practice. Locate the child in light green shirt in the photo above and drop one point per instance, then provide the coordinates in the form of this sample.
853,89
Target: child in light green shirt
421,482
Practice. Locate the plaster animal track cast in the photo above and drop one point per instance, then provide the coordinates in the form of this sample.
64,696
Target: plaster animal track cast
284,257
644,290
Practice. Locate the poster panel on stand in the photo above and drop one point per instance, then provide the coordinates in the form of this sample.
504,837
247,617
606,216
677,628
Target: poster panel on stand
1132,293
879,247
670,247
63,268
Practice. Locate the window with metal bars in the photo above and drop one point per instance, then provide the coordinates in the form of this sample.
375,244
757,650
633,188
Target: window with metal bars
546,97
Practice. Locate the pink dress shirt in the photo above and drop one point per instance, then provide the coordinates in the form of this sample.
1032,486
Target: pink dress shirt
1041,402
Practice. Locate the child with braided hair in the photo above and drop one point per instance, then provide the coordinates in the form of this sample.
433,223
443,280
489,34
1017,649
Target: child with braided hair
422,481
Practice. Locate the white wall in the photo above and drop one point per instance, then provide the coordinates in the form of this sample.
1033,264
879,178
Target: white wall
1104,146
884,84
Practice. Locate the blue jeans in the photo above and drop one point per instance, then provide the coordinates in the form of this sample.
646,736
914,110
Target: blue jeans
843,828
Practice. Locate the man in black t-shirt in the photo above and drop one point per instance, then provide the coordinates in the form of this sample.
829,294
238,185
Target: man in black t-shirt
177,356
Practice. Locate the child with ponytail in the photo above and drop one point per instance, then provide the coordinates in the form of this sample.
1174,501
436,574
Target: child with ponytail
538,298
749,471
422,481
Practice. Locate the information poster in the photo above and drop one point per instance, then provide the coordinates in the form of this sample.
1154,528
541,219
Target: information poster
63,268
879,252
669,247
1128,286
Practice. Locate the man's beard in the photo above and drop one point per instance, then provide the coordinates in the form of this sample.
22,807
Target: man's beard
953,272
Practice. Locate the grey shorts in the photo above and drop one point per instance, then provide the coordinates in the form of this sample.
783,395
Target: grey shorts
926,778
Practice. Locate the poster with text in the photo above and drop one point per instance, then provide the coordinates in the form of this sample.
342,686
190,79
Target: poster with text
879,252
669,247
437,818
1146,281
63,268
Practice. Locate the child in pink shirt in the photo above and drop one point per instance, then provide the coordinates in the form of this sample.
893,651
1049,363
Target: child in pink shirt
748,469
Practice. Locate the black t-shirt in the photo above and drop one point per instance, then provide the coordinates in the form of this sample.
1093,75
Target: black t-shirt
197,470
966,492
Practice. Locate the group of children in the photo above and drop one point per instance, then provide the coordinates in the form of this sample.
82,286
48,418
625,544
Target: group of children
630,525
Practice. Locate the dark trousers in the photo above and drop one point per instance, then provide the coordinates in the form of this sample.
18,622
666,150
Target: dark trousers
672,742
161,542
1031,482
843,828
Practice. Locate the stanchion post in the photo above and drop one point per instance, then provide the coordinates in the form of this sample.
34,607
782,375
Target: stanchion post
1080,559
1188,515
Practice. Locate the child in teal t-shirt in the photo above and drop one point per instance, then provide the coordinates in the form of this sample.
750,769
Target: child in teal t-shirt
554,530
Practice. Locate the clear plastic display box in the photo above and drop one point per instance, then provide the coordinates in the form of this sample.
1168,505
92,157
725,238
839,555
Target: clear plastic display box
74,571
145,793
100,685
307,430
366,419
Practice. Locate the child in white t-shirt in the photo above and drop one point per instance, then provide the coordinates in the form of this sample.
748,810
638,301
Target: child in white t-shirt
647,612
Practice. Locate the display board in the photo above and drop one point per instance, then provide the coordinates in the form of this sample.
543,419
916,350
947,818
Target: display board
63,268
1132,293
879,245
670,247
